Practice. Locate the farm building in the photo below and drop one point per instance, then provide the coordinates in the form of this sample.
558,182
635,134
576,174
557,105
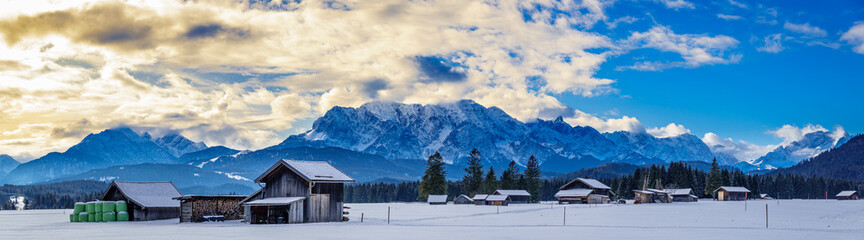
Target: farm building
437,200
498,200
297,192
651,196
681,195
194,208
847,195
583,190
765,196
516,196
480,199
147,200
462,199
727,193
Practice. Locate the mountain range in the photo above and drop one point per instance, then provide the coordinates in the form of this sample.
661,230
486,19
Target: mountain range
846,162
810,145
7,163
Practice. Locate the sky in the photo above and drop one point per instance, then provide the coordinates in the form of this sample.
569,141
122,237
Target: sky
750,76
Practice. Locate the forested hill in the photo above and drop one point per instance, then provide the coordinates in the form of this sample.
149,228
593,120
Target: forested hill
53,195
846,162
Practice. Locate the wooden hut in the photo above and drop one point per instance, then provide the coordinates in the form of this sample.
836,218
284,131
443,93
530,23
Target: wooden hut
727,193
765,196
516,196
681,195
437,200
651,196
498,200
146,200
462,199
480,199
194,208
583,190
847,195
297,191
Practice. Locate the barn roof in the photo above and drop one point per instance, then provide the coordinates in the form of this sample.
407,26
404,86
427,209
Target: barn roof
512,192
591,183
463,196
846,193
187,197
497,197
148,194
733,189
276,201
312,171
576,192
437,199
480,196
679,191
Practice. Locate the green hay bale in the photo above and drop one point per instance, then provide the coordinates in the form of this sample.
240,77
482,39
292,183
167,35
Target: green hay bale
98,206
82,217
80,207
122,216
108,206
121,206
91,217
73,217
91,207
97,217
109,217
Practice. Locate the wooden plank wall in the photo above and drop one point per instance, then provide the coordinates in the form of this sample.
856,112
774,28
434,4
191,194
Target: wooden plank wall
285,183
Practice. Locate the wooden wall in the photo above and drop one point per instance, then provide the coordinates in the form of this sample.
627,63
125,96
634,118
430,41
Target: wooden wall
335,192
285,183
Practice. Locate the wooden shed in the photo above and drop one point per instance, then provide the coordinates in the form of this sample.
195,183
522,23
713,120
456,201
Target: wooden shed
681,195
463,199
847,195
195,208
298,191
146,200
498,200
516,196
727,193
480,199
437,200
583,190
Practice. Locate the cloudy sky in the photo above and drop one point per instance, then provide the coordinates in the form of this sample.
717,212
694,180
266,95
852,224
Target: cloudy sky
247,74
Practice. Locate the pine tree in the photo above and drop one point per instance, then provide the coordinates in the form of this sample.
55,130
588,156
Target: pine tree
510,176
472,182
434,181
532,179
713,180
491,181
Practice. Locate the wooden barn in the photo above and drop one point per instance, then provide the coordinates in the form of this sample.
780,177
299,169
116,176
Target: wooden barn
194,208
765,196
462,199
498,200
480,199
651,196
681,195
437,200
297,192
727,193
847,195
583,190
147,200
516,196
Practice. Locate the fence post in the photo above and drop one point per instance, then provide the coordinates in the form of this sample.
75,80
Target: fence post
361,217
565,217
745,205
497,209
388,214
766,215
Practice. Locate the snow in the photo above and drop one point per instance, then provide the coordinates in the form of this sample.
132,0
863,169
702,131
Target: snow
734,189
480,196
592,183
150,194
497,197
437,199
577,192
513,192
201,165
790,220
233,176
846,193
274,201
315,171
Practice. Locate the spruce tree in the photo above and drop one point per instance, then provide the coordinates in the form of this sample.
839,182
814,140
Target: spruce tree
434,181
532,179
491,182
713,180
510,176
472,182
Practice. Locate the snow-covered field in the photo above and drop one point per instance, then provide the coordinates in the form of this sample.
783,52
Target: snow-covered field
791,219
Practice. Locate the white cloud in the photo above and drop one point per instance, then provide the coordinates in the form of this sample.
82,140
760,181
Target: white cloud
805,29
671,130
791,133
741,150
729,17
738,4
626,19
605,125
677,4
773,43
855,37
695,49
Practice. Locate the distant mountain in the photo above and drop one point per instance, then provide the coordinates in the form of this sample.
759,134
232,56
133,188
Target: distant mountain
846,162
176,145
181,175
7,163
206,154
413,131
809,146
120,146
602,171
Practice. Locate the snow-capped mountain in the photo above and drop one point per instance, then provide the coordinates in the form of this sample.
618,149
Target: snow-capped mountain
413,131
809,146
176,144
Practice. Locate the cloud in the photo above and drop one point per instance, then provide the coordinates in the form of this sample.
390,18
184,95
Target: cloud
805,29
791,133
626,19
729,17
773,43
855,37
677,4
741,150
738,4
695,49
671,130
624,123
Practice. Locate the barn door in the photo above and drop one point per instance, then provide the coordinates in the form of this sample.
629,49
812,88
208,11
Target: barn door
319,208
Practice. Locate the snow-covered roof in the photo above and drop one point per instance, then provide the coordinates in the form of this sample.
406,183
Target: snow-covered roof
644,191
512,192
679,191
437,199
148,194
591,183
846,193
733,189
657,191
463,196
277,201
576,192
497,197
313,171
480,196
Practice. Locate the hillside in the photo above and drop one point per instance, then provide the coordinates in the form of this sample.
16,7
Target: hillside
846,162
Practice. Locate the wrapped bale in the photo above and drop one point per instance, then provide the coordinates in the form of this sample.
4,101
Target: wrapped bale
80,207
73,217
97,217
122,216
91,207
98,206
83,217
121,206
108,207
109,217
